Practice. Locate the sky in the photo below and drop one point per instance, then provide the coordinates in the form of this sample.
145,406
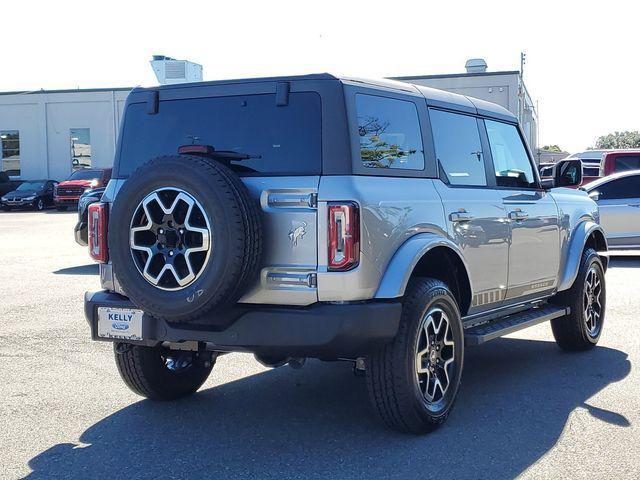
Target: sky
582,57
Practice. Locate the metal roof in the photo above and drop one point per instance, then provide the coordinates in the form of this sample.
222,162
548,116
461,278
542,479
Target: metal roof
435,97
457,75
71,90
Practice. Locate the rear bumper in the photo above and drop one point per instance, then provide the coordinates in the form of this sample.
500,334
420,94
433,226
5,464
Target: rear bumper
321,330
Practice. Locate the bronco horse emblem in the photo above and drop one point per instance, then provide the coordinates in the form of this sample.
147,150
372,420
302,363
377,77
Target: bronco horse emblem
297,233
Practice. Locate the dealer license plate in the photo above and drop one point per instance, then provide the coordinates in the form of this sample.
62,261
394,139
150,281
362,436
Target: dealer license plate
122,323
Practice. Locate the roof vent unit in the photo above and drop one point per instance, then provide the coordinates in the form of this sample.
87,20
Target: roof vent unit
476,65
170,71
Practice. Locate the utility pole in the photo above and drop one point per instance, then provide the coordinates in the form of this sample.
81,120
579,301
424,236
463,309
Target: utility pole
523,60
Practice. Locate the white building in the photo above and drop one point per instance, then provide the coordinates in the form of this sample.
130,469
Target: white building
45,134
506,88
48,134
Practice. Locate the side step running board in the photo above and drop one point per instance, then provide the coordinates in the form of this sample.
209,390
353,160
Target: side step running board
479,334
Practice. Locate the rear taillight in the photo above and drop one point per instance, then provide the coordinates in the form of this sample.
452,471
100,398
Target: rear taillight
97,227
344,236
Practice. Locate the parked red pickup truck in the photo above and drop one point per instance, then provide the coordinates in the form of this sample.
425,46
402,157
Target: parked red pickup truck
618,161
68,192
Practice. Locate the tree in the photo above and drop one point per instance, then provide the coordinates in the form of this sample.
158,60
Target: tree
552,148
375,151
619,140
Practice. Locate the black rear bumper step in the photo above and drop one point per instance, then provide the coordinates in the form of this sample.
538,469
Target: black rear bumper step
319,330
488,331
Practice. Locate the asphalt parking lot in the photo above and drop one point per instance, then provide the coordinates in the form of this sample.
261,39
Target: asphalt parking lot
525,408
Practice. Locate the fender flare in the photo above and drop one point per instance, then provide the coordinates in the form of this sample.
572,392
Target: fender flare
577,241
398,271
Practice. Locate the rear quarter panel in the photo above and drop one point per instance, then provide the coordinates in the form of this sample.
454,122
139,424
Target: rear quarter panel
392,210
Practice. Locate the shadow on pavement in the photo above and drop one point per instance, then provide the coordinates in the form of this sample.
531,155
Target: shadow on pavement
90,269
316,423
624,261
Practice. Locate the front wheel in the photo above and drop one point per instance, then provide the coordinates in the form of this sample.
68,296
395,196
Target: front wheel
413,381
38,205
581,329
158,373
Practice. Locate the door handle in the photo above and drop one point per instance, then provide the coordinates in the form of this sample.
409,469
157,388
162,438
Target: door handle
518,215
460,216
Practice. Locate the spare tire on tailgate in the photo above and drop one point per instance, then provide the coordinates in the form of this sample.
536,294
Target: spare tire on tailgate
184,237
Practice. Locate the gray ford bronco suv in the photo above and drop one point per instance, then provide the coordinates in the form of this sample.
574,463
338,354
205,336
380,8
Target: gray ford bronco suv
377,222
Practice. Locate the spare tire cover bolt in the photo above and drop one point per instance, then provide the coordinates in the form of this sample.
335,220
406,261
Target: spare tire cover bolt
160,231
171,253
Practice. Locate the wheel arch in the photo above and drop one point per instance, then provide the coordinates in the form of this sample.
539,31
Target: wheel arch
587,234
427,255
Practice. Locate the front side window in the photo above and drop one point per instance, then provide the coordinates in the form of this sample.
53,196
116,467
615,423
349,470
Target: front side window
458,148
10,142
510,160
389,132
80,148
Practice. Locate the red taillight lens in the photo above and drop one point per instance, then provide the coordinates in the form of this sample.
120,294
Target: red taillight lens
98,232
344,236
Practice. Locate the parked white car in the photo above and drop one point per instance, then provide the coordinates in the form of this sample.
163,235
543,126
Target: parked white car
618,197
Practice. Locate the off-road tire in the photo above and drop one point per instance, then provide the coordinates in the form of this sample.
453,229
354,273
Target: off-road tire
145,373
233,263
390,371
570,331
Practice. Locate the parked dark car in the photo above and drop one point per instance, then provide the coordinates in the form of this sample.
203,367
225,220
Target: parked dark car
86,199
68,192
34,194
6,184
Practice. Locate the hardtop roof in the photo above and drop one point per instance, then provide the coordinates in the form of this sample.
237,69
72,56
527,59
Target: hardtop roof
434,97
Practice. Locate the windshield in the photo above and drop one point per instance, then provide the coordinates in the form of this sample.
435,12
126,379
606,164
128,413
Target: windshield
85,175
30,186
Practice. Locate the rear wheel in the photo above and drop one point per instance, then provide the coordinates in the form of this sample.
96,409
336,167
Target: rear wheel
413,381
581,329
158,373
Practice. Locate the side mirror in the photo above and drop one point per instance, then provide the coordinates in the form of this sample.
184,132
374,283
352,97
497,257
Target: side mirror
567,173
594,195
547,183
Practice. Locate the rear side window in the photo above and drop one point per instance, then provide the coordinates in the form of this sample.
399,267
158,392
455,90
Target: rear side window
284,139
510,159
389,132
626,187
458,148
627,163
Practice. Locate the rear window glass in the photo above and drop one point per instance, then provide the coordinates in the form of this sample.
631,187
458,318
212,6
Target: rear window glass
285,139
627,163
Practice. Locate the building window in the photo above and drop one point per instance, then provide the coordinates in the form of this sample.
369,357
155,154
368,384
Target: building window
10,152
80,148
